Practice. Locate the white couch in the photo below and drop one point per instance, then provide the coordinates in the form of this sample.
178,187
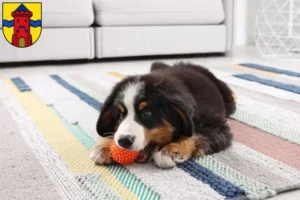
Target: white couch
124,28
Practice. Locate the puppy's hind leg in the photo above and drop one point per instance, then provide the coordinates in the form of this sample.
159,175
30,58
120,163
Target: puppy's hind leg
215,139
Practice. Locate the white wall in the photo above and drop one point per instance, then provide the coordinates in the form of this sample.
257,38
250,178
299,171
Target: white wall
245,14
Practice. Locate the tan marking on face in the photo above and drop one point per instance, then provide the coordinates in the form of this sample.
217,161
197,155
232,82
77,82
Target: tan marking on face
122,109
161,135
142,105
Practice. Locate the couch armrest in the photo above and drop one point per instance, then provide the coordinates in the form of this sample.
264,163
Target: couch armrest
229,22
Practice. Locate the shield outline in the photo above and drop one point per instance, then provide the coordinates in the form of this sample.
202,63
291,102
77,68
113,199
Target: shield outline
22,3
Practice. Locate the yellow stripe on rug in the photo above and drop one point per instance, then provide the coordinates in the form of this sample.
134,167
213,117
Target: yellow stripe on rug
73,153
116,74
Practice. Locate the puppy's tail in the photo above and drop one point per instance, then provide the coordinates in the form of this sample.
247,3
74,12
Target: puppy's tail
228,97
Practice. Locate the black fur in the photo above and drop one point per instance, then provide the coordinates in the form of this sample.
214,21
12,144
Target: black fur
204,101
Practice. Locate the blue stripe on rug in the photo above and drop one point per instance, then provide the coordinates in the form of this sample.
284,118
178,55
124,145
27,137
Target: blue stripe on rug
220,185
83,96
270,69
20,84
279,85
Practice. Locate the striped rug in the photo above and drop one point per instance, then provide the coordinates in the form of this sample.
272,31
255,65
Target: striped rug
57,115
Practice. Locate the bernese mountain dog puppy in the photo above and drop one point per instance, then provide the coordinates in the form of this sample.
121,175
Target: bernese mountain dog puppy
182,110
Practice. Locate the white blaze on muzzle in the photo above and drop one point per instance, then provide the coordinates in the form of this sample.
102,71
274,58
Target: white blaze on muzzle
129,127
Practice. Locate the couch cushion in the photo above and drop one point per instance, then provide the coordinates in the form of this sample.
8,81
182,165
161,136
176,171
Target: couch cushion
63,13
158,12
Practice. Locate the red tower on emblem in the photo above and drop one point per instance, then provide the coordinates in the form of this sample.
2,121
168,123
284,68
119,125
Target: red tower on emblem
21,36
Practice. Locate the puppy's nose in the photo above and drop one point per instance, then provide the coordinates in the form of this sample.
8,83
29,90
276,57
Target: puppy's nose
126,141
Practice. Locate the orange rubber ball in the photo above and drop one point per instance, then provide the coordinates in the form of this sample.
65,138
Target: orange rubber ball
121,155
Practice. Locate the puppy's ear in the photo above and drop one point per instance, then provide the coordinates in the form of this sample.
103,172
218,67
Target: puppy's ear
187,122
173,93
106,123
158,65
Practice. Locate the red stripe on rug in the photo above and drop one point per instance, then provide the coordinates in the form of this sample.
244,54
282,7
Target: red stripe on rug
267,144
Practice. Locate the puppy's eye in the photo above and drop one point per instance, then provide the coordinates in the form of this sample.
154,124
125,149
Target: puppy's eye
146,113
122,116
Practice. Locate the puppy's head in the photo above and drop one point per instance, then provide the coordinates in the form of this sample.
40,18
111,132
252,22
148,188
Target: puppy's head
146,109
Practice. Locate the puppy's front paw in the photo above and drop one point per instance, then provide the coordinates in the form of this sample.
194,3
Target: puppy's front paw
101,156
169,156
163,159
